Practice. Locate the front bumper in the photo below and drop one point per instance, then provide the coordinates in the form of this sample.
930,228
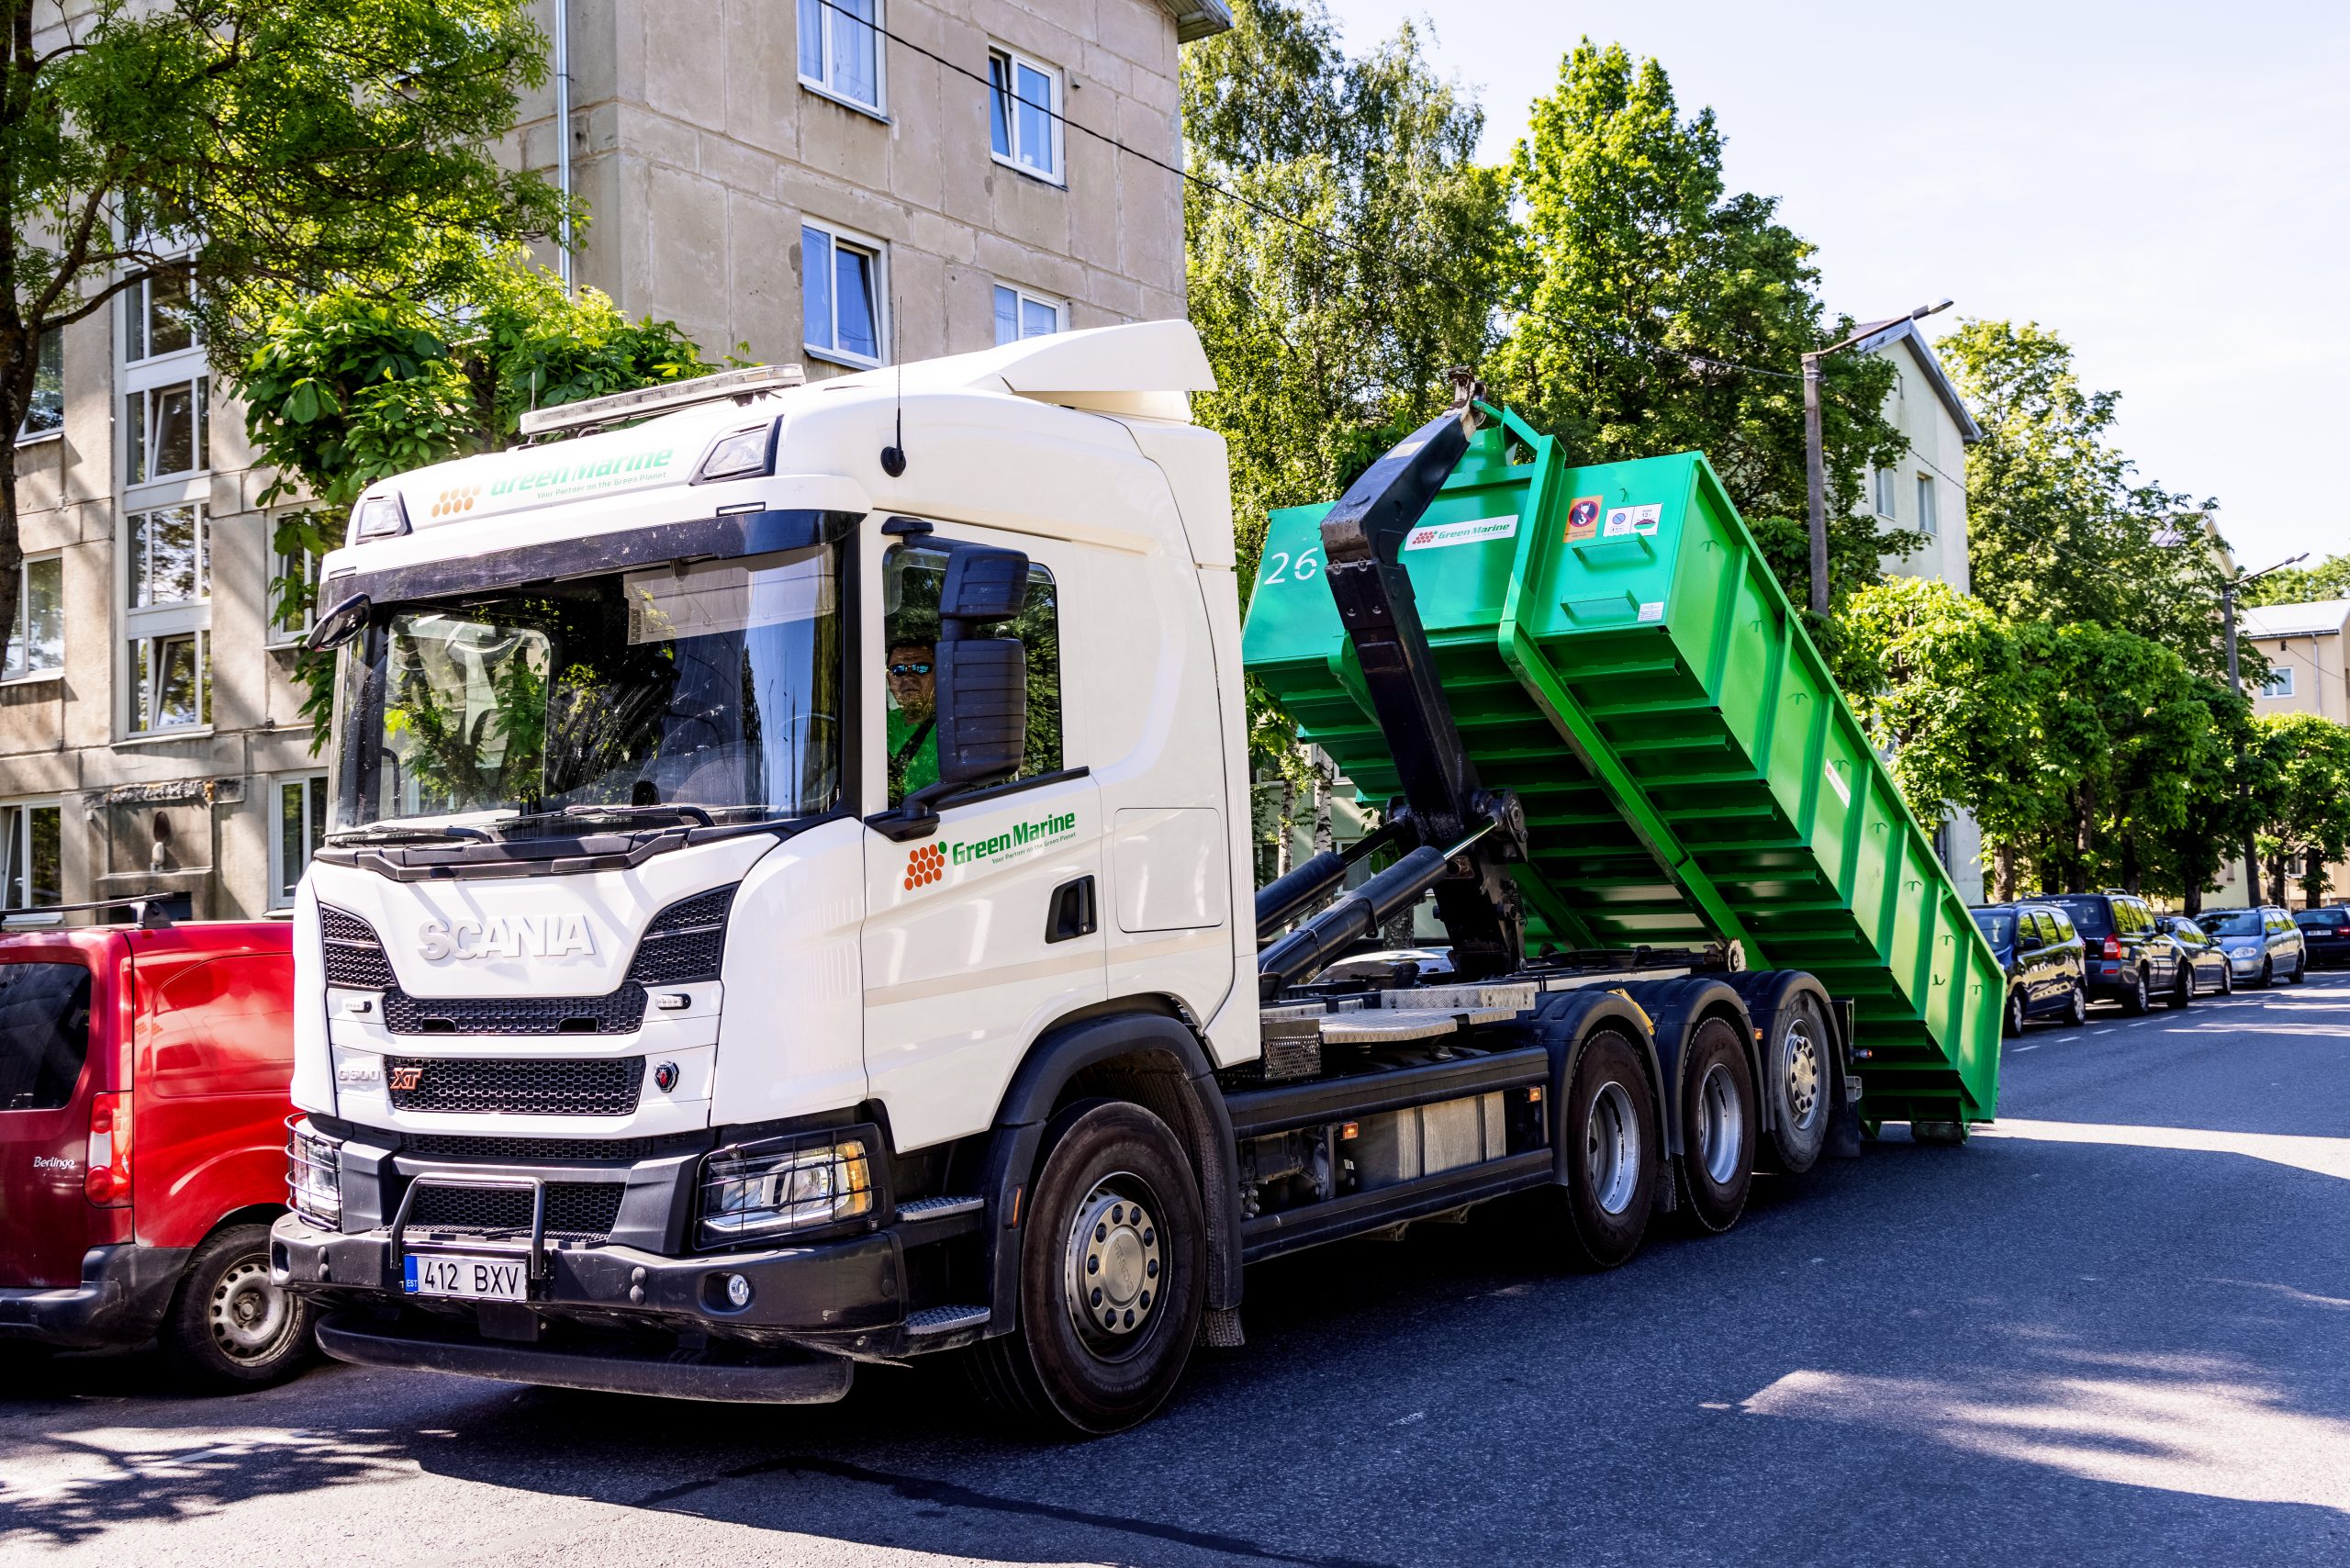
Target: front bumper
124,1292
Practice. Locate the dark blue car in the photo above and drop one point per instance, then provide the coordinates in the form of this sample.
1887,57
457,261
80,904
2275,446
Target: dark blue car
2046,960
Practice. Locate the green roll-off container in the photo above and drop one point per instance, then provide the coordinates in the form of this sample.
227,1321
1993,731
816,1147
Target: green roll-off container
1617,651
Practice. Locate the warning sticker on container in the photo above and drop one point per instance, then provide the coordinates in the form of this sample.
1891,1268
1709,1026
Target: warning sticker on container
1583,518
1439,536
1633,520
1652,611
1836,782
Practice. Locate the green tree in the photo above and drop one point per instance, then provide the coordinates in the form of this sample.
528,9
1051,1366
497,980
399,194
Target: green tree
2186,859
1646,284
2330,578
349,387
2302,798
2060,527
246,150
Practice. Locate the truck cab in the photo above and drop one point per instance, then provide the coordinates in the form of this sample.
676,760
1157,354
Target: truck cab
143,1076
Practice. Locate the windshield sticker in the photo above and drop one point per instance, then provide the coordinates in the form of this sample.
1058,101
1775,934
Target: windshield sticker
1443,535
1622,521
1583,518
566,481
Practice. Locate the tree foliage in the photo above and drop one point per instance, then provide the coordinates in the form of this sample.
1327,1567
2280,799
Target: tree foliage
259,149
2301,793
1659,311
348,387
2330,578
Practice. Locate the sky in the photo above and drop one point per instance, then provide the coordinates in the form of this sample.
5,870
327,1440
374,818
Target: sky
2166,185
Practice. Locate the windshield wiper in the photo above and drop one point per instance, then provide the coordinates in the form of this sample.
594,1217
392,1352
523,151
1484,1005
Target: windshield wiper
694,814
419,833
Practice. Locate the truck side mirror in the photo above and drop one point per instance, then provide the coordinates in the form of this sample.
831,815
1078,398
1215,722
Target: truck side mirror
982,584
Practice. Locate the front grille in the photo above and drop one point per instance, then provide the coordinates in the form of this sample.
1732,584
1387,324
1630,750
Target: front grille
685,941
579,1211
620,1012
467,1146
522,1088
354,953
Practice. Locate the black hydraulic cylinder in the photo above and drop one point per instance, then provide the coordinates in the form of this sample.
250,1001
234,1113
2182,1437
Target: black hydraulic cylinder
1315,945
1308,883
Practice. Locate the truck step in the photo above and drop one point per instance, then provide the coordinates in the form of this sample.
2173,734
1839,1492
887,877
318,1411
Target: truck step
944,1320
941,1207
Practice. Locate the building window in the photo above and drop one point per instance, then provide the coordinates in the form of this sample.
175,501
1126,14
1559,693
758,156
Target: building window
1885,483
1024,114
31,874
169,556
45,415
167,430
1020,313
843,281
295,609
2280,681
167,614
37,637
156,318
1928,519
840,49
171,682
300,806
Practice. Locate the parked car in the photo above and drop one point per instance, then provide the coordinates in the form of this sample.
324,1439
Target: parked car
2261,944
2130,961
144,1081
2047,962
2325,935
2206,968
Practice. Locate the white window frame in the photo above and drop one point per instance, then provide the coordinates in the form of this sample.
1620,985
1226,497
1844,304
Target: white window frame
1023,297
199,387
1057,173
26,434
20,635
179,618
280,634
137,303
879,251
2280,682
1885,497
281,894
826,86
1929,520
16,853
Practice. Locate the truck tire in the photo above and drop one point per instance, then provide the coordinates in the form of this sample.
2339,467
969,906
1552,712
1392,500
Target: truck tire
1718,1118
1112,1276
1609,1136
228,1328
1799,1067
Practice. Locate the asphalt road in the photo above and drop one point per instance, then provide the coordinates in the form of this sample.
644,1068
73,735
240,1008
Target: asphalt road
2109,1330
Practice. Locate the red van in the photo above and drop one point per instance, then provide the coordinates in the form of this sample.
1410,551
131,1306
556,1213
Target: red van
144,1072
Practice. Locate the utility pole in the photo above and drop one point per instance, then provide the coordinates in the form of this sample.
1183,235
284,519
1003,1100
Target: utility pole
2252,888
1815,453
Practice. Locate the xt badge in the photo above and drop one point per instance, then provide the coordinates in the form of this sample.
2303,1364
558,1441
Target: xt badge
404,1076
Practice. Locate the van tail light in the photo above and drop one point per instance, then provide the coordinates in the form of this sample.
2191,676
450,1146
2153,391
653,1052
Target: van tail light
108,1183
2113,947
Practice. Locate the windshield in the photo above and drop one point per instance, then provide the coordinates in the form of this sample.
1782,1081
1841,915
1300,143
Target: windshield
715,685
1998,926
2231,921
2088,915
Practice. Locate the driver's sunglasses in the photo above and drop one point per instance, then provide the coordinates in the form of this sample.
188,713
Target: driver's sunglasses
909,669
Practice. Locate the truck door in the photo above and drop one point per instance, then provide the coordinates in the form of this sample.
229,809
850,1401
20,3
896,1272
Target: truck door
47,1076
978,935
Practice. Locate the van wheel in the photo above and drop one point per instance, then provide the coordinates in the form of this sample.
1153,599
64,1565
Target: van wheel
1719,1116
2011,1021
1799,1068
230,1328
2138,1001
2077,1006
1609,1136
1112,1276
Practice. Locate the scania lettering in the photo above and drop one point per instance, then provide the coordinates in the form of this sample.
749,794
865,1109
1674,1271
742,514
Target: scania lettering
788,907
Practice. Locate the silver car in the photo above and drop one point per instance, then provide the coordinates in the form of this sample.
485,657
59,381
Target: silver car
2263,945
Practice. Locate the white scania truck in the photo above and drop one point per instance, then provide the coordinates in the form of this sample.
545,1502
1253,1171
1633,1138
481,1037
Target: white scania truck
788,904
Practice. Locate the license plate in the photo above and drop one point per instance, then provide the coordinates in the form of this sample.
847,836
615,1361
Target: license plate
472,1279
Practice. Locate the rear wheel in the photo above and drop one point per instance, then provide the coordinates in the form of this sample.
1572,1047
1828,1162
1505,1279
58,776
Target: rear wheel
2137,1000
1718,1121
1800,1072
230,1328
1113,1272
2011,1023
1610,1139
2182,990
2077,1006
2227,978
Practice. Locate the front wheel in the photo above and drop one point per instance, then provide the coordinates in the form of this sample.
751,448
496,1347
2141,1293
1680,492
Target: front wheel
2011,1023
1112,1276
2301,968
1717,1121
229,1327
2268,974
2227,978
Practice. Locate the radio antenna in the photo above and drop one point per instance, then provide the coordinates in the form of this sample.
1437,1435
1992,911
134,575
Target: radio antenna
893,457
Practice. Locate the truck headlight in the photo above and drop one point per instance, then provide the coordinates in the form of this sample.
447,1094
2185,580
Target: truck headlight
314,1174
784,1185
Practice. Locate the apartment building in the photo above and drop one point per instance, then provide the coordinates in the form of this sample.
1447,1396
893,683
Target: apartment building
1926,493
2307,674
838,183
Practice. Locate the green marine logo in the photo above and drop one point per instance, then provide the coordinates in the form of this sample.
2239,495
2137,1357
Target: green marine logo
1020,836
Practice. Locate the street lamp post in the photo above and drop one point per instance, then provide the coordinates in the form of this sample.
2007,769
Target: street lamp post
2236,684
1815,453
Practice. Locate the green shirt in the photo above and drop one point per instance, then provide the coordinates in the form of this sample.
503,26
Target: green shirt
913,755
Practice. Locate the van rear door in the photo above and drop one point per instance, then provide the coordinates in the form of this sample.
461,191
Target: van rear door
50,1007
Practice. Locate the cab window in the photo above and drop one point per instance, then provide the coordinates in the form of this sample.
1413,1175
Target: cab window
911,578
44,1034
